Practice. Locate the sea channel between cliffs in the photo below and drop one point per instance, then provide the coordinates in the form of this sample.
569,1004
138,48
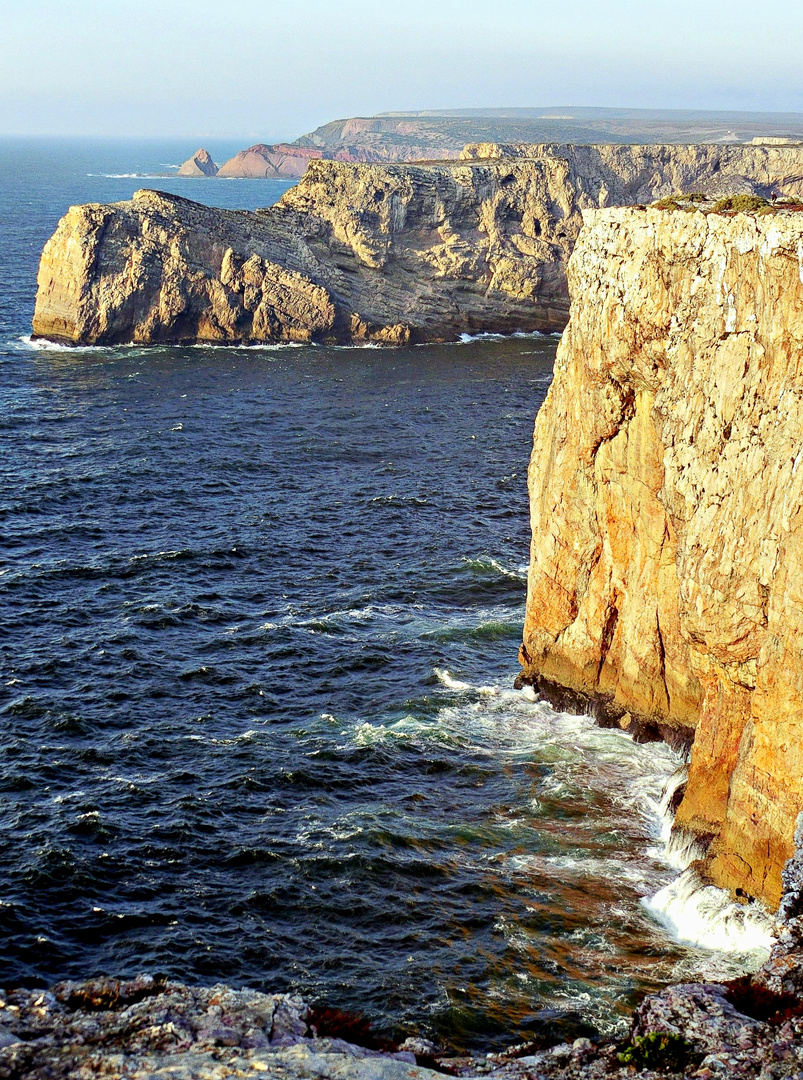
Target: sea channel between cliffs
482,698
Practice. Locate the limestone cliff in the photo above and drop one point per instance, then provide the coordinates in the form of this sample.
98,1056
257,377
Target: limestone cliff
666,576
367,252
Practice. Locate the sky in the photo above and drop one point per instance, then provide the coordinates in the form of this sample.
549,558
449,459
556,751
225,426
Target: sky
268,70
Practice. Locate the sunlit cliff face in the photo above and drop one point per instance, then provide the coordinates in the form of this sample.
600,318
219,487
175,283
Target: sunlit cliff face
666,502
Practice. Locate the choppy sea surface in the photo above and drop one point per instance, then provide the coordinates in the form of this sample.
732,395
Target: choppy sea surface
260,611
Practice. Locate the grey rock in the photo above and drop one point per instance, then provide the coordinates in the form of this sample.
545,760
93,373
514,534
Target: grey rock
416,1044
289,1020
221,1036
7,1038
698,1013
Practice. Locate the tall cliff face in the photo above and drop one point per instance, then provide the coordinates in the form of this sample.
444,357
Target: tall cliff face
367,252
666,487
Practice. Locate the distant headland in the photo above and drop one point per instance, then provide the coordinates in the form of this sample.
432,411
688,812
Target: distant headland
440,136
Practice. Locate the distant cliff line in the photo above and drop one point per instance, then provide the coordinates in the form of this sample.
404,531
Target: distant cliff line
355,253
441,135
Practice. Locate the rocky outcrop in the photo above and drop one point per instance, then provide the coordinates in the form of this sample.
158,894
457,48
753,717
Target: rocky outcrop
279,161
665,583
143,1029
614,175
354,253
200,164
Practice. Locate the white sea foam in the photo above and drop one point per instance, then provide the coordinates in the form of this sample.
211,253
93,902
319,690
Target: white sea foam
488,562
699,914
352,345
133,175
450,683
254,346
694,912
40,345
468,339
43,345
169,554
642,779
681,849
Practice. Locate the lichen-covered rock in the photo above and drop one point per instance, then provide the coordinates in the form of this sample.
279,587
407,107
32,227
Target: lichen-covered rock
666,576
354,253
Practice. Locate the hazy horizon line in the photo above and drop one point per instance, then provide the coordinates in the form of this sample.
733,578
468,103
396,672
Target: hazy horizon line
503,111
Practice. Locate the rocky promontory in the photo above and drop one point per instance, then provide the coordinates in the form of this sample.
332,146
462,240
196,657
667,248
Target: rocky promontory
355,253
666,494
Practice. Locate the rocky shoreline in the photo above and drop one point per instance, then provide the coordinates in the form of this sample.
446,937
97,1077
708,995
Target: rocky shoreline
144,1028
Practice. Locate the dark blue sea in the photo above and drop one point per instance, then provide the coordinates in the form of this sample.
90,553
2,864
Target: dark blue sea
259,618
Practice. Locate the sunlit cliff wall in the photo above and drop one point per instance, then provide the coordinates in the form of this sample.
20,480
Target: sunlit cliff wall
666,488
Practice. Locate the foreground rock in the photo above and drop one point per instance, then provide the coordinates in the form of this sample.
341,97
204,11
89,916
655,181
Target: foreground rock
666,576
200,164
143,1029
354,253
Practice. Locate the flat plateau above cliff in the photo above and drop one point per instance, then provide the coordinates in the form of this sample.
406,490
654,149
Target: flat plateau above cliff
666,497
356,253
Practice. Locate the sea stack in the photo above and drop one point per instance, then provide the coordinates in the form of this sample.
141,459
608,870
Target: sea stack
200,164
666,497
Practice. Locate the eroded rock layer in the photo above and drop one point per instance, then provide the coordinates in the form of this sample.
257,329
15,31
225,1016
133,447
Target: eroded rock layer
368,252
666,488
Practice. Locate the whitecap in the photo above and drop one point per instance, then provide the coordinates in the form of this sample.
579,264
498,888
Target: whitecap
488,562
251,346
699,914
43,345
157,555
445,679
130,175
488,335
